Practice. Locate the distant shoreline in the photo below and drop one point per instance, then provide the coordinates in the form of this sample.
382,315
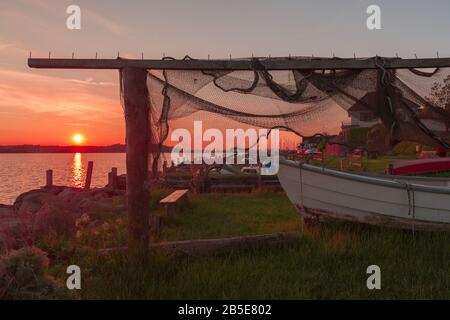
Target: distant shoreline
61,152
116,148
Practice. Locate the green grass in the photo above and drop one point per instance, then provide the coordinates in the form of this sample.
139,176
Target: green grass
183,175
220,215
329,261
376,165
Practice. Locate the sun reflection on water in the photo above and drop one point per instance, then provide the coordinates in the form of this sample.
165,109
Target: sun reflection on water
77,170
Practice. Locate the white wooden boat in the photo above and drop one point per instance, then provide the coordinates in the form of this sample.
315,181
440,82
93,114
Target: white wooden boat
404,202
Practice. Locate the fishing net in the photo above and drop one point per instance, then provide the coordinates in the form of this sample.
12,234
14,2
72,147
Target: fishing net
390,105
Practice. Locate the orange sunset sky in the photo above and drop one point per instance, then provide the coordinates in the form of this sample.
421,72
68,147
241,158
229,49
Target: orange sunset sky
48,107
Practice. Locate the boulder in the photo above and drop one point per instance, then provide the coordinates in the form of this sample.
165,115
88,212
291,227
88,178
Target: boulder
32,201
53,218
53,210
10,229
40,196
6,210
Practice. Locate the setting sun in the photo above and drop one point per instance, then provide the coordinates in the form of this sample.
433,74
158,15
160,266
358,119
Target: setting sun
78,138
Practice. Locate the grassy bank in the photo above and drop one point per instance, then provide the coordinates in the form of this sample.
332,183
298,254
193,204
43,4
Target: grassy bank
371,165
328,262
376,165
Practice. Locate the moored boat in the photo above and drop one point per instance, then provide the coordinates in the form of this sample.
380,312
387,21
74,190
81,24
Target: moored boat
408,202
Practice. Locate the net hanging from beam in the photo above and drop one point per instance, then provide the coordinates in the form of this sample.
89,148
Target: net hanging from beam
391,105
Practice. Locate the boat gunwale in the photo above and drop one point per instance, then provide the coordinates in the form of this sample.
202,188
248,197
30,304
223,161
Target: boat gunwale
366,178
394,177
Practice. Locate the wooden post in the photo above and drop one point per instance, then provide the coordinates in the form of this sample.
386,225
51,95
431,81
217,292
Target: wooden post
90,167
112,179
260,182
164,169
49,178
135,97
113,184
110,183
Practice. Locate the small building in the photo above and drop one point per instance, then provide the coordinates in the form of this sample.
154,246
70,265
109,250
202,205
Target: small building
360,117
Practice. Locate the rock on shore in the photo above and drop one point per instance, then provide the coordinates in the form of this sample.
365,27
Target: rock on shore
39,212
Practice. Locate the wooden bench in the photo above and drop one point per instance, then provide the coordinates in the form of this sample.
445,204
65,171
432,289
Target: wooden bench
172,199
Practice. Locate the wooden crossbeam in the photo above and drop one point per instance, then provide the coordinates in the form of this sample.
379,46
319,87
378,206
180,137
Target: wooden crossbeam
244,64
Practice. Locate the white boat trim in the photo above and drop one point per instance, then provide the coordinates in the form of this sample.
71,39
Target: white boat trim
370,179
325,193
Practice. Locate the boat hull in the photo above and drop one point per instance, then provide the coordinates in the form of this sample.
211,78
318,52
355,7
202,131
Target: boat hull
324,193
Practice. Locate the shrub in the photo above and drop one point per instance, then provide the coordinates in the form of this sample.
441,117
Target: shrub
405,148
322,145
357,136
105,234
23,276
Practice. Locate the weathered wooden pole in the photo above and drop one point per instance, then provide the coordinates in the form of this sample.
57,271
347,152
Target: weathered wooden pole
136,105
164,169
113,178
90,168
49,178
260,182
243,64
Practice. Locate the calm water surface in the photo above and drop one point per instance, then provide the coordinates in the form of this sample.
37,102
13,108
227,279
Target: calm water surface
22,172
